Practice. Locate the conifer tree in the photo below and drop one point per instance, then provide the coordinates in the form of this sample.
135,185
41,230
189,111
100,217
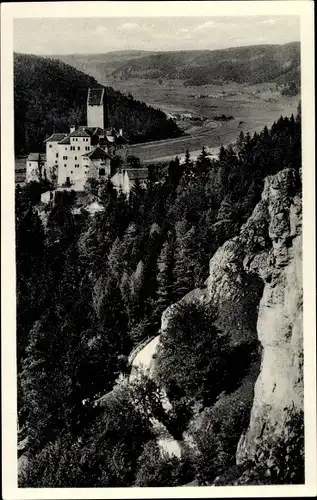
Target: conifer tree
203,162
188,167
186,268
175,172
165,264
240,141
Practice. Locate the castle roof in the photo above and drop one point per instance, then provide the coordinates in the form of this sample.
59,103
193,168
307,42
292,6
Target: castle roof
137,173
104,136
34,157
121,139
65,141
97,154
80,132
118,138
95,96
56,137
84,131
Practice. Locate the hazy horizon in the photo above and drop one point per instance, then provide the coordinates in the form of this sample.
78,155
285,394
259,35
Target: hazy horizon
149,50
76,36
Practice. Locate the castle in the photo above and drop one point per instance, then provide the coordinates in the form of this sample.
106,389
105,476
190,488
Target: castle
86,152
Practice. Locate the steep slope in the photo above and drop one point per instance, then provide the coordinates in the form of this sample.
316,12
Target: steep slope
255,281
49,93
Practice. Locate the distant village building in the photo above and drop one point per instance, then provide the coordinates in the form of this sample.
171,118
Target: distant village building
186,116
85,152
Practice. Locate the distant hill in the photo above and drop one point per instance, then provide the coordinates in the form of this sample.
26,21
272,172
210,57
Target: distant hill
50,94
251,64
101,66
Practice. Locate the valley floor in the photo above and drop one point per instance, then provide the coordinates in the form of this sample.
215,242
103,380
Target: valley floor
252,107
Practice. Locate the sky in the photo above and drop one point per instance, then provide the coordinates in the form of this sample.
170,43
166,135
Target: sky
97,35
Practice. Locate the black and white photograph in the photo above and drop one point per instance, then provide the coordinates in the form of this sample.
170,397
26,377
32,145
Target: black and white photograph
157,181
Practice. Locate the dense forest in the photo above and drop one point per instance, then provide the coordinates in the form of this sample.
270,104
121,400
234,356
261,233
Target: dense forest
89,289
49,94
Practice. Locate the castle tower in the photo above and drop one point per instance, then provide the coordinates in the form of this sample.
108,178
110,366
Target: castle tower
96,115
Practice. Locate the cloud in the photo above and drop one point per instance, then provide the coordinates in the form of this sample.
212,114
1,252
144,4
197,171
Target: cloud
269,21
100,30
223,24
129,27
204,26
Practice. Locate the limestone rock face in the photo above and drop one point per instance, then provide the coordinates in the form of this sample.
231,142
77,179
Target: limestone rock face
280,384
255,284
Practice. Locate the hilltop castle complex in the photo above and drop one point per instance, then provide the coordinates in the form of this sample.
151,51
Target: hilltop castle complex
86,152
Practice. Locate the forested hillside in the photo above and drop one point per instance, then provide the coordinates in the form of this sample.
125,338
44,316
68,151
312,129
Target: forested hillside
90,289
250,65
49,93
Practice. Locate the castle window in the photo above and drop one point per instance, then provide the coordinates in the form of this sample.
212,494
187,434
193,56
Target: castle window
56,155
87,148
50,145
78,148
65,165
77,166
75,157
102,171
71,171
65,149
64,157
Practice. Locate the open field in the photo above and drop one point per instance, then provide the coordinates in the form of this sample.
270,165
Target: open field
252,106
244,102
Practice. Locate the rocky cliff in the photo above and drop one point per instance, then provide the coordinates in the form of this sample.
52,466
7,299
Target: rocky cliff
255,283
279,387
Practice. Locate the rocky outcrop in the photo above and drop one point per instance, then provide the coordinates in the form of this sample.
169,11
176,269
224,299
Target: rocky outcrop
279,387
255,284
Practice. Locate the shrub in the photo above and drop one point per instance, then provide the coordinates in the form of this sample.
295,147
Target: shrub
219,430
158,469
195,359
